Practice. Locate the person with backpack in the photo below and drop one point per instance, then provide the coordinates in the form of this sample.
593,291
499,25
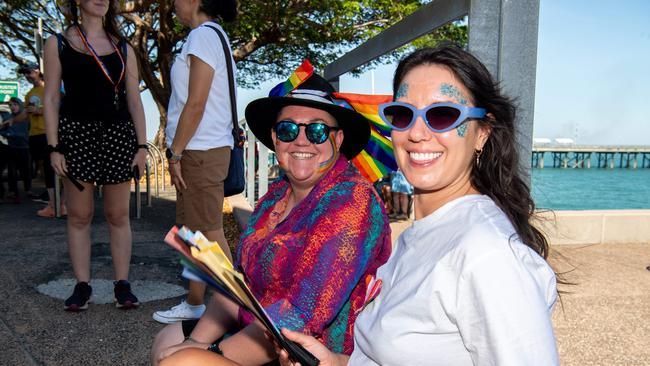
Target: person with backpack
96,134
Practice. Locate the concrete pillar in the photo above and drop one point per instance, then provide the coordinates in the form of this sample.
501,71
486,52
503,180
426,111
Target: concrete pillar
600,158
503,34
335,82
579,160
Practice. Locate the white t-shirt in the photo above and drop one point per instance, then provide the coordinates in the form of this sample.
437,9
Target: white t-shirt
215,128
459,289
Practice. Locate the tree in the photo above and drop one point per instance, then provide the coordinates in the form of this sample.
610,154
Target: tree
269,38
18,20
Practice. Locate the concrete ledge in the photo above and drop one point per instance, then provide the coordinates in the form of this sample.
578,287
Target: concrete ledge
560,227
596,226
240,209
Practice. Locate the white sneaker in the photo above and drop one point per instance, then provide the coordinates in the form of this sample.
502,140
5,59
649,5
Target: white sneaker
180,312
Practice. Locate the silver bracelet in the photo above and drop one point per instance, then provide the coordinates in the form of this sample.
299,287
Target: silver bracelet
190,339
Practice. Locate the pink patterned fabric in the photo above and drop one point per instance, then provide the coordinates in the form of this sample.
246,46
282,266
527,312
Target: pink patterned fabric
309,271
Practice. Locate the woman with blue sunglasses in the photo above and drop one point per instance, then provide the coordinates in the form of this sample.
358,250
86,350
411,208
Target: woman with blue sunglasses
467,283
313,243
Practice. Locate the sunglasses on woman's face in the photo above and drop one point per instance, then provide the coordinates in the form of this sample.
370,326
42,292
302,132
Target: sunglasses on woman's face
316,132
439,117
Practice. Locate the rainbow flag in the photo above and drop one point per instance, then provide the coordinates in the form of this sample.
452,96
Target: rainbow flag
376,160
302,73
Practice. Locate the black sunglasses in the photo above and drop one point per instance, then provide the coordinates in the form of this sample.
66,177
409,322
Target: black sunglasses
316,132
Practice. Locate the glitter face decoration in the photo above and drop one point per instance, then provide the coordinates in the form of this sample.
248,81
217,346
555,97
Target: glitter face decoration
453,92
462,129
402,91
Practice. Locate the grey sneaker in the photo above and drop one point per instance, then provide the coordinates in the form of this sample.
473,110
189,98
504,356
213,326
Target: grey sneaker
178,313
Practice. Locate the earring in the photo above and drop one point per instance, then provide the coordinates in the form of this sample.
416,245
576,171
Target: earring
478,156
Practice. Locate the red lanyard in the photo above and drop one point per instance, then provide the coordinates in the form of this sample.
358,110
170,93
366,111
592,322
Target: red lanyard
101,64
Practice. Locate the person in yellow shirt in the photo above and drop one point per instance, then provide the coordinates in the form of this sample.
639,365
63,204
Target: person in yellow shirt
37,138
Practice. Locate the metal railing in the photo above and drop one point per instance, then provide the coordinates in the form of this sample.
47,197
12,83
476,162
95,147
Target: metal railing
257,166
155,157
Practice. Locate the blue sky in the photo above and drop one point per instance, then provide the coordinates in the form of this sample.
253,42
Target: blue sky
593,71
593,74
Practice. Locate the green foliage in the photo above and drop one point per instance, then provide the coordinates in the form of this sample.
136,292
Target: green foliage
18,19
272,37
269,38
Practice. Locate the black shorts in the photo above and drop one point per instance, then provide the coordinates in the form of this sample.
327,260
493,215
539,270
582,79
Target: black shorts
38,147
98,151
38,152
188,326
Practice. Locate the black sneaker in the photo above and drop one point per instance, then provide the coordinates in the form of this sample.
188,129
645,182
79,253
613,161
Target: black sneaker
124,298
31,194
42,198
79,299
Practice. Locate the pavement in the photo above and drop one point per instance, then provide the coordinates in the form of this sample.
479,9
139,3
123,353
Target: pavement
36,276
604,319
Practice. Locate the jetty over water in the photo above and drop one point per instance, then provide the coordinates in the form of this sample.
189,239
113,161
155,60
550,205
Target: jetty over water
577,156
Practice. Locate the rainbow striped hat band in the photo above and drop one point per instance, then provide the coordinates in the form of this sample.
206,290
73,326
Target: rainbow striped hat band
302,73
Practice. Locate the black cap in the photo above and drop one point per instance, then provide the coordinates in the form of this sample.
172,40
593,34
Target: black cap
26,68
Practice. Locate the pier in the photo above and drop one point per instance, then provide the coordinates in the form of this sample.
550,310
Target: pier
575,156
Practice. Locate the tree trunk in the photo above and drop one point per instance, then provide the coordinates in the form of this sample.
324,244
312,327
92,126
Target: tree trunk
159,139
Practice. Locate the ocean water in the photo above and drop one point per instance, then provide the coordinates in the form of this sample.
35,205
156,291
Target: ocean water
591,189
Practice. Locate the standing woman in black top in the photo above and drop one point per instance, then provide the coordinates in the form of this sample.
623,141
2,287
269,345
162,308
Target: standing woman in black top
96,135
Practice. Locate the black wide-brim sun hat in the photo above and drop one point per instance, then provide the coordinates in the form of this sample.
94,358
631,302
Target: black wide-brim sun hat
315,92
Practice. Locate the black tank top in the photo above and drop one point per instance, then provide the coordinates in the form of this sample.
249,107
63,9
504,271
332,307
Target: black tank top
88,95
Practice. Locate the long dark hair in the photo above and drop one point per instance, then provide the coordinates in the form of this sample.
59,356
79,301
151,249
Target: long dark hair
498,174
19,102
110,19
224,9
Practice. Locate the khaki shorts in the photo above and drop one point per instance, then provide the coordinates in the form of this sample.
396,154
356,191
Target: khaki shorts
200,205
